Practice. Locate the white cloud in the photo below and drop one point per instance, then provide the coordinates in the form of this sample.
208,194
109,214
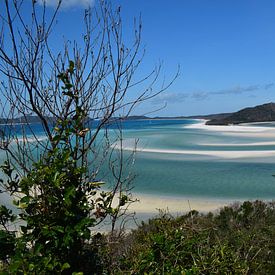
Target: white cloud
174,98
238,90
200,95
68,3
268,86
169,98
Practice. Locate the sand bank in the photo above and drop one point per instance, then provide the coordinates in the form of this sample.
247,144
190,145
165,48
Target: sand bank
228,128
235,130
232,130
151,204
263,143
211,153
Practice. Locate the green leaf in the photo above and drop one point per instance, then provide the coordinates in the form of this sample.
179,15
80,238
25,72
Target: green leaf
59,228
56,138
25,199
68,86
31,267
71,66
65,266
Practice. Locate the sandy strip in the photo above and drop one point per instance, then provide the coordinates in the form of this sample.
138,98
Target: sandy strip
229,128
152,204
234,130
263,143
263,134
241,130
214,153
149,206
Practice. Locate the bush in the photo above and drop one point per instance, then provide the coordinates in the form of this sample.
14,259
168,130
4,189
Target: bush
238,240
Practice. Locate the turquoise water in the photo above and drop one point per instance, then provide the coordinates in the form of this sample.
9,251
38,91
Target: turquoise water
173,160
194,175
213,179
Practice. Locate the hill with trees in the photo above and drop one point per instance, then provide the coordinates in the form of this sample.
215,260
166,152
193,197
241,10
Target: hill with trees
260,113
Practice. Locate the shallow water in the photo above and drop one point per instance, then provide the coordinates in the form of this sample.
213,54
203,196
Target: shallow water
185,158
169,161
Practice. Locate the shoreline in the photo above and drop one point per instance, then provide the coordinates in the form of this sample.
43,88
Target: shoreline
152,204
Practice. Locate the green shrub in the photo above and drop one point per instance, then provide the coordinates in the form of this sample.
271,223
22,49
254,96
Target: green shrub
59,203
238,240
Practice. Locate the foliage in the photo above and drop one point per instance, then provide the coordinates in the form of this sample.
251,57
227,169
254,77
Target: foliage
55,211
7,237
58,204
238,240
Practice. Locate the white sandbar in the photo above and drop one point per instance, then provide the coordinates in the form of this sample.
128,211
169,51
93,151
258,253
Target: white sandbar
263,143
213,153
231,130
235,130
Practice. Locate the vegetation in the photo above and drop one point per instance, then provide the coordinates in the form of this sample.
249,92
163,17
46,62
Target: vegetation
237,240
240,239
58,205
260,113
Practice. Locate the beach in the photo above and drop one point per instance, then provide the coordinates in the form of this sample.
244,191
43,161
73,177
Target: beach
152,204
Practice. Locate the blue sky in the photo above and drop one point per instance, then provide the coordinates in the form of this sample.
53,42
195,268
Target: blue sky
225,48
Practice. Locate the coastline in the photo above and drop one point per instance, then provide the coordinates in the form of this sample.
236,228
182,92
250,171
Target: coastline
152,204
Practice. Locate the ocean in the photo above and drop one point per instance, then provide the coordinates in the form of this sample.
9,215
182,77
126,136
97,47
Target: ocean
185,158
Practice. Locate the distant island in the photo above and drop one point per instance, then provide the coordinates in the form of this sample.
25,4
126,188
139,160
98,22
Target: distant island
260,113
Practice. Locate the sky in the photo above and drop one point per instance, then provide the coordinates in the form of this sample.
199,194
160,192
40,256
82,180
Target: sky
225,50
